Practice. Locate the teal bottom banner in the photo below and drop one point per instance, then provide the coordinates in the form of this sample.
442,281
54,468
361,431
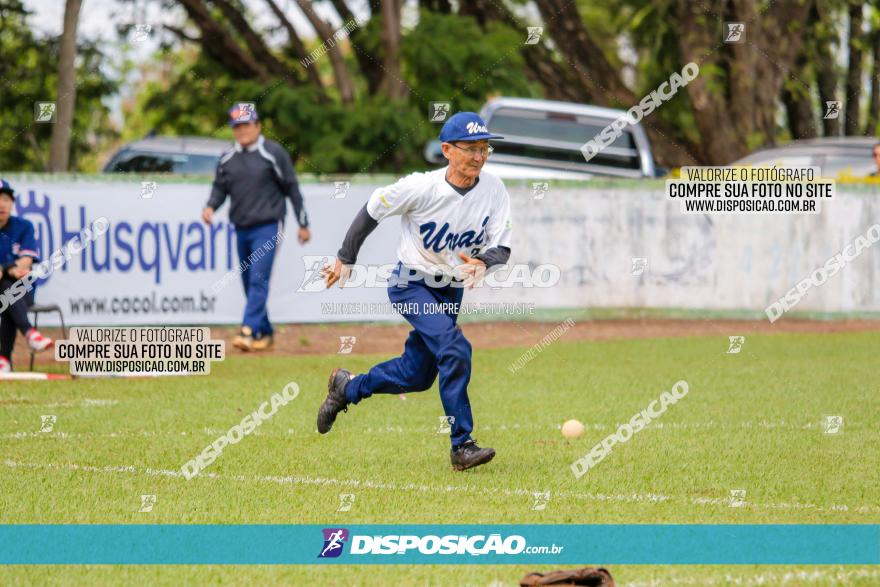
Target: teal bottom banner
439,544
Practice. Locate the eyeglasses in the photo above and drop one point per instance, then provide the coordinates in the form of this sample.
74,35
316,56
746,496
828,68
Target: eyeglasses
485,151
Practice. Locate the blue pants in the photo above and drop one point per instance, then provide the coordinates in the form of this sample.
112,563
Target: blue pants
15,317
256,251
435,345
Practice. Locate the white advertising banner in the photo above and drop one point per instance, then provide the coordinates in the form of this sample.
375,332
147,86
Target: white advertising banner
158,263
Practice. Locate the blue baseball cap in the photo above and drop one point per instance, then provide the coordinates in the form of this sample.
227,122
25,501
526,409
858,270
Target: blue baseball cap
243,112
6,188
465,126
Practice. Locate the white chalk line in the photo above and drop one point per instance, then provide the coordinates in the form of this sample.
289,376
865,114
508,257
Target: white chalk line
747,425
649,498
430,429
84,403
61,435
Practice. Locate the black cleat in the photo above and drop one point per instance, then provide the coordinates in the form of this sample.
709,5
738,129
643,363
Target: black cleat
470,455
336,401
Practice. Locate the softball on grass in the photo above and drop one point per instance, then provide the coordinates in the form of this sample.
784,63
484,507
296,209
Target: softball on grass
572,429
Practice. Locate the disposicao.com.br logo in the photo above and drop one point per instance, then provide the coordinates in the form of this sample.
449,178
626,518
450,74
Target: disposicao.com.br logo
476,545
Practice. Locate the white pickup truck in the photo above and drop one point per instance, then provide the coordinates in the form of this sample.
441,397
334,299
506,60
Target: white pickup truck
543,140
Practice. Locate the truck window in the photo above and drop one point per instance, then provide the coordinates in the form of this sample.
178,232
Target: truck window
141,162
558,137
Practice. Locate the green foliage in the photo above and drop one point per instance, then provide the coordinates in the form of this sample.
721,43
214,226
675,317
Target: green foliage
448,58
374,135
324,136
192,99
605,21
29,74
444,57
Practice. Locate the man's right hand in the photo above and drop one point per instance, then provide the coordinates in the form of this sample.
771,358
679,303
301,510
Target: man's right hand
208,215
336,271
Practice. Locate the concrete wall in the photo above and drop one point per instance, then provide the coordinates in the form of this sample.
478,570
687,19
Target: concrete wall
730,262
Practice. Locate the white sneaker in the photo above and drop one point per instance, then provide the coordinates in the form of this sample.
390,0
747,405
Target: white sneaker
37,341
5,367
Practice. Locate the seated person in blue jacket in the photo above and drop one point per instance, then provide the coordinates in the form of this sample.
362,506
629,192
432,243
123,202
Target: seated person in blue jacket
18,251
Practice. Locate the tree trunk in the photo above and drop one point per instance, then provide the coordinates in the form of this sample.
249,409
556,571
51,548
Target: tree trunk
720,139
255,43
439,6
65,100
798,102
218,44
369,64
760,66
826,76
743,66
563,21
392,84
558,82
854,71
296,47
731,127
601,84
874,109
344,82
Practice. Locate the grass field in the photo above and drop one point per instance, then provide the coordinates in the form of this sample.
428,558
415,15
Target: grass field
750,421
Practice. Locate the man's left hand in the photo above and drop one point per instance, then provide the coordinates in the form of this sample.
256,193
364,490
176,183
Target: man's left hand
472,272
304,235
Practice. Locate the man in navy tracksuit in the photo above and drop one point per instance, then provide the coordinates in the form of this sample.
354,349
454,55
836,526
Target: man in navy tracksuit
18,251
258,176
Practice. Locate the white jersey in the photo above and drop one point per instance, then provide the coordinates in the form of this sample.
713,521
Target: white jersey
437,223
